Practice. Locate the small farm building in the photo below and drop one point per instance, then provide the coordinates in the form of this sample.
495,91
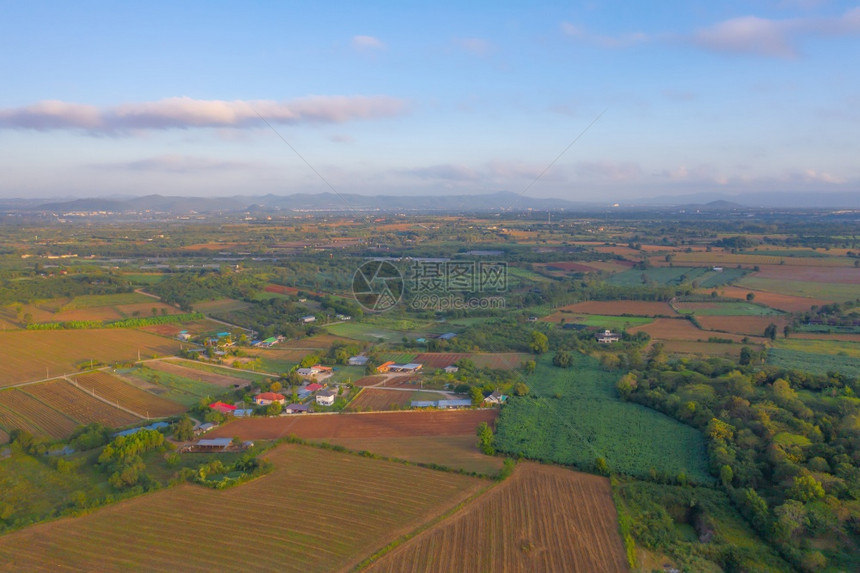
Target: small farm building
297,409
410,367
359,360
222,407
327,397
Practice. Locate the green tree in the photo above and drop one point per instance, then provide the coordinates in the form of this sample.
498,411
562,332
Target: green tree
626,385
806,488
476,395
770,331
529,366
485,439
562,359
521,389
539,342
183,430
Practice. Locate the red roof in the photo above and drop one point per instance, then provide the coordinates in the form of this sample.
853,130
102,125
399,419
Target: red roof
222,407
274,397
314,387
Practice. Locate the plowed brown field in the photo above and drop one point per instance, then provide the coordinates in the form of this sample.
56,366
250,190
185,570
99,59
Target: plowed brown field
434,360
753,325
23,408
542,518
371,425
79,405
317,511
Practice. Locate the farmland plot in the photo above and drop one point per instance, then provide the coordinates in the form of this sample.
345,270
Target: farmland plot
79,405
540,519
619,307
25,408
221,380
369,425
27,353
376,400
340,521
127,396
4,437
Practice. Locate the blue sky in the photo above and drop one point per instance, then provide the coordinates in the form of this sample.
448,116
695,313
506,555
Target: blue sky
102,98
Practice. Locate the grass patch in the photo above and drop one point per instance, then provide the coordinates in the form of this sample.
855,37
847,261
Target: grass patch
665,276
814,363
177,388
730,309
96,300
612,322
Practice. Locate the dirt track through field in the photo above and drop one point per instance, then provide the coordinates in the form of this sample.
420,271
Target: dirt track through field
543,518
370,425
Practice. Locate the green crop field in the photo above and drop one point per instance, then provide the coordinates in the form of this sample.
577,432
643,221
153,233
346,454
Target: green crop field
717,279
832,347
574,417
612,322
788,253
813,362
659,276
727,309
96,300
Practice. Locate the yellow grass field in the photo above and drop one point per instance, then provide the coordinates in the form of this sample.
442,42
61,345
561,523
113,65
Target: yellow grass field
318,511
28,353
542,518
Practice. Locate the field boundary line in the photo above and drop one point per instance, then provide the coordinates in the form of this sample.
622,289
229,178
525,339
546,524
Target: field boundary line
105,400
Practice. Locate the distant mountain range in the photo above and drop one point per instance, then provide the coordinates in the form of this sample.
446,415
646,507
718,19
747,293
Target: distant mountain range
503,200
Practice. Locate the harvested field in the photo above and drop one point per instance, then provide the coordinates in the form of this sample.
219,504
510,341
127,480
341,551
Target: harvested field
458,452
620,307
379,400
279,354
195,328
373,425
116,312
221,380
79,405
371,380
340,522
434,360
740,308
280,289
21,406
753,325
26,354
693,347
116,391
784,302
542,518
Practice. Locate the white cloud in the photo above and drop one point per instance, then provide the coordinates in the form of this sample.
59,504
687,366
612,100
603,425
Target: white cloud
476,46
608,170
776,38
175,164
367,43
185,113
620,41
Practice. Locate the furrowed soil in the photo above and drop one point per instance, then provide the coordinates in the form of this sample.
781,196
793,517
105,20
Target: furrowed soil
457,452
370,425
348,506
542,518
79,405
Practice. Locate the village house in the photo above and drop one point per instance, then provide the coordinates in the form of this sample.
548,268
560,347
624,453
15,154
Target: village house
327,397
267,398
608,336
308,319
297,409
359,360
